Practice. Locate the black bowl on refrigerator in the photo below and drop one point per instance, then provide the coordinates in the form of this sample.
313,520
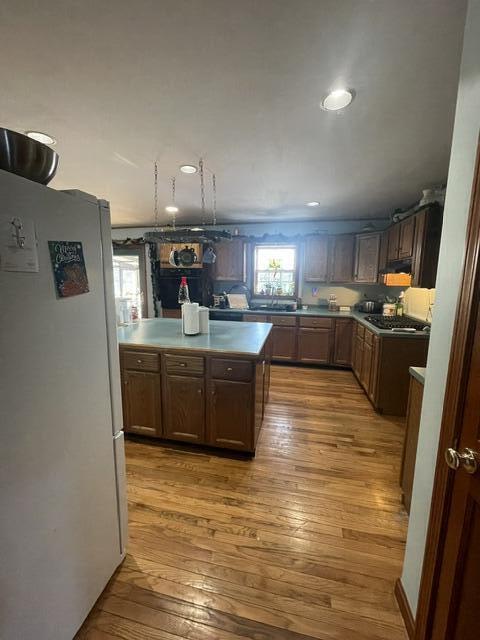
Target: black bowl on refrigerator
26,157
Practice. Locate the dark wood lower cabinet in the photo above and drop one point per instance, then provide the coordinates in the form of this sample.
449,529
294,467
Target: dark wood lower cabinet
381,365
284,343
184,408
198,398
357,355
342,348
314,345
230,414
142,405
414,410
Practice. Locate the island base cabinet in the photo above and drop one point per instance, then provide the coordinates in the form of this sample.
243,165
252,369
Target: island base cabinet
184,408
142,411
230,413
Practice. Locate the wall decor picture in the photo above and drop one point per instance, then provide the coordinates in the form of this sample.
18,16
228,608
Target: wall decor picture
68,268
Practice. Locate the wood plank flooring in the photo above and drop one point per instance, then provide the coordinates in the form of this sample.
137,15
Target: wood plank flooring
303,541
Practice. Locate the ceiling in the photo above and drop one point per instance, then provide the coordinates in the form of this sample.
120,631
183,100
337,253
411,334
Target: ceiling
122,83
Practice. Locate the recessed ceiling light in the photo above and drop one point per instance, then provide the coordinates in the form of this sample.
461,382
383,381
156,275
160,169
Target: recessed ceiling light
313,203
44,138
171,209
196,229
188,168
338,99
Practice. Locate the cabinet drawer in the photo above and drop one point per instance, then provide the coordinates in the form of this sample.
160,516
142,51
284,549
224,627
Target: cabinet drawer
360,330
250,317
186,365
322,323
368,337
284,321
141,361
240,370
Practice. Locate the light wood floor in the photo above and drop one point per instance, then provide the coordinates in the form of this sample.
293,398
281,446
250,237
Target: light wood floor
303,541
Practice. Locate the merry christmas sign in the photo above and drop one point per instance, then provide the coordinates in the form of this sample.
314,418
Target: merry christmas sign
68,268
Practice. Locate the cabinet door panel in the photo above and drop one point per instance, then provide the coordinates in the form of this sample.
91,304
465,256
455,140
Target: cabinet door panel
358,355
184,408
373,384
284,341
383,256
366,366
314,345
407,237
342,258
231,414
342,353
366,257
230,262
142,402
393,242
316,259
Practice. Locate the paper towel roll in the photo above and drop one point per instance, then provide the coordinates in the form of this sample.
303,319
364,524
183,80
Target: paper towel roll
190,318
203,314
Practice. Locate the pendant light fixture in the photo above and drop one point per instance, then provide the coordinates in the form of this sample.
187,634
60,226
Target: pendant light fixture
187,234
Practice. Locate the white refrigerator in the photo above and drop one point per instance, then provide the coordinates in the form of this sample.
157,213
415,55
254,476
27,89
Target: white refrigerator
63,516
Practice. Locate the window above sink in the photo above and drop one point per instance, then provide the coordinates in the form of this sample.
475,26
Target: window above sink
275,270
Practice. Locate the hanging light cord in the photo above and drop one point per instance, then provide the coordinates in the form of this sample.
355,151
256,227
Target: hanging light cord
173,201
202,189
214,201
155,196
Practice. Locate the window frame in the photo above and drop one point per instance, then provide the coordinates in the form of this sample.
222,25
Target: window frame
136,250
253,278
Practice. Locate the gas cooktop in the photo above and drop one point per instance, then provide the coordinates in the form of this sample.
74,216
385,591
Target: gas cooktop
397,324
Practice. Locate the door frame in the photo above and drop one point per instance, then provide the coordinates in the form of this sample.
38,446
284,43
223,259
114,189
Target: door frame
136,249
460,357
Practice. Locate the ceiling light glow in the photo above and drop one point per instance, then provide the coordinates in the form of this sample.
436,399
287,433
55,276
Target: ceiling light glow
313,203
338,99
39,136
171,209
188,168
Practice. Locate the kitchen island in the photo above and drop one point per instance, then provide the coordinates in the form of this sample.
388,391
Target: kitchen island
210,389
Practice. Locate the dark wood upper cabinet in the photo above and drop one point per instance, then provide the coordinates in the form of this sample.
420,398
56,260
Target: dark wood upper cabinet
393,242
230,414
366,257
314,345
383,256
184,408
342,350
342,248
316,258
230,262
406,238
428,231
142,410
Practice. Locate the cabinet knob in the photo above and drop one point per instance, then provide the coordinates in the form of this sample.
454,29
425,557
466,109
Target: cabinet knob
229,369
183,364
139,361
199,392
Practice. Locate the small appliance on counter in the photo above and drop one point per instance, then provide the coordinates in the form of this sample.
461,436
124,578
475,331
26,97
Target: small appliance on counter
370,306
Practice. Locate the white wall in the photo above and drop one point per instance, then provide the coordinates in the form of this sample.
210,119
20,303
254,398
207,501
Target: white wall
465,139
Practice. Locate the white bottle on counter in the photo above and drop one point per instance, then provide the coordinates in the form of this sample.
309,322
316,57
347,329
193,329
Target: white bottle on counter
204,321
190,319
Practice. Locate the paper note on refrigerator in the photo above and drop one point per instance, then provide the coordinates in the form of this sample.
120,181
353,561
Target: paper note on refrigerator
18,244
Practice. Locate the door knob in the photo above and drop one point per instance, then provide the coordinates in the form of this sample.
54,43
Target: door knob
467,458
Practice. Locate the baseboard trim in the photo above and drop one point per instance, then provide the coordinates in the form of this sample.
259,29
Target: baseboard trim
404,607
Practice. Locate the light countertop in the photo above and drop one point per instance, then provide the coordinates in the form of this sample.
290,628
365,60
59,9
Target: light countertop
323,312
418,373
238,338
